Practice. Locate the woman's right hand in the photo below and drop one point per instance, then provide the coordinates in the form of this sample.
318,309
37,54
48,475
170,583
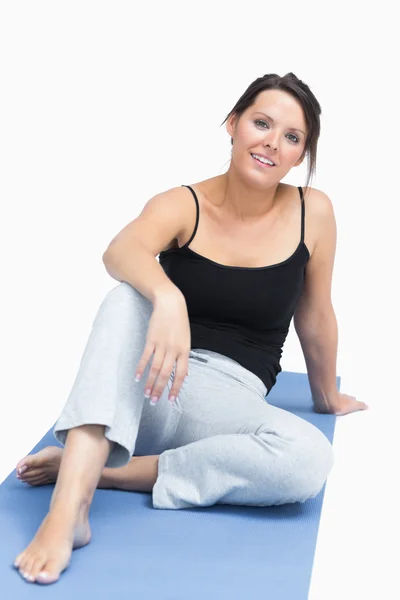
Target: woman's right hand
168,339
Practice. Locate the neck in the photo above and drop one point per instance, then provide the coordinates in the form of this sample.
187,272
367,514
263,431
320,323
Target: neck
244,201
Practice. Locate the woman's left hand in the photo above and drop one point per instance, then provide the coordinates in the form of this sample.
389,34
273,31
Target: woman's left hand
342,405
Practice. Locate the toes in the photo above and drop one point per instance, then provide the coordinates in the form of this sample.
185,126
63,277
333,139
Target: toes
32,573
33,473
27,576
40,480
30,474
18,560
22,562
29,566
45,577
25,462
50,573
27,474
26,567
38,568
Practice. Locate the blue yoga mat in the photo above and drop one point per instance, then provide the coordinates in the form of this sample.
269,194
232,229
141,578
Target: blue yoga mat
215,552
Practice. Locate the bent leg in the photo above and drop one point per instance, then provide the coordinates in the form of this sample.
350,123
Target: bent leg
274,458
105,392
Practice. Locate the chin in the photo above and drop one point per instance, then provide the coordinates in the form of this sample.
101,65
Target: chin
259,178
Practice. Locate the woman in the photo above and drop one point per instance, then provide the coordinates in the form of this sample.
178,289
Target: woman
262,253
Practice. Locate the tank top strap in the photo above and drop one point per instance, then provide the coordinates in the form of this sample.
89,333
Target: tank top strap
197,214
302,212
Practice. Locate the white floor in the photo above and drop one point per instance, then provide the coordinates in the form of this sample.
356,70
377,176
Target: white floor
359,530
358,538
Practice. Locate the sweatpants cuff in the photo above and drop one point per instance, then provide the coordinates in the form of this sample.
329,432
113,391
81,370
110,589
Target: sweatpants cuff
163,496
121,452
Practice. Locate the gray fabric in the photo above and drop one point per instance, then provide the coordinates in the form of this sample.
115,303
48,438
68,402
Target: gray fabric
221,444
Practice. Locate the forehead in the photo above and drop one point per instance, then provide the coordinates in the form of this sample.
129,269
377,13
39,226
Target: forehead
281,106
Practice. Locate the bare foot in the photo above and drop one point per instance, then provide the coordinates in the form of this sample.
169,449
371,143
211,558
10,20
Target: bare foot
51,548
41,468
49,553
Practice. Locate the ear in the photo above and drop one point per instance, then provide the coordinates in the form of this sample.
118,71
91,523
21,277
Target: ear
231,125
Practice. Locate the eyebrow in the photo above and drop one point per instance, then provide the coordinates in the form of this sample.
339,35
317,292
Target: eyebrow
271,119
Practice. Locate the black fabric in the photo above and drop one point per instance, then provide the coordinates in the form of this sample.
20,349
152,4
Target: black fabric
241,312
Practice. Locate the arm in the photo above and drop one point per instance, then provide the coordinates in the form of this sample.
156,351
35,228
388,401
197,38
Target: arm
314,318
136,265
131,255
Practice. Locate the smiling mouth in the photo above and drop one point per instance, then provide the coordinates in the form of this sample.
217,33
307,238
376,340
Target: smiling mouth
263,164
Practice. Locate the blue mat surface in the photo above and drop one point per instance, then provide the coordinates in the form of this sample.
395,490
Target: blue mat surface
221,551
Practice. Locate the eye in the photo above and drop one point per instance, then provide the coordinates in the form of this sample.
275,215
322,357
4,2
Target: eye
258,121
291,134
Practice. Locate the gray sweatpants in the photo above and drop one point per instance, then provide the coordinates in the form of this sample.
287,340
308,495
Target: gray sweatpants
221,444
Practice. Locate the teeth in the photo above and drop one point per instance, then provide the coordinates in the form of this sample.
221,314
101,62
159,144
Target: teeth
262,159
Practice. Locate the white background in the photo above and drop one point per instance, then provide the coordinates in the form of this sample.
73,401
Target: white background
104,105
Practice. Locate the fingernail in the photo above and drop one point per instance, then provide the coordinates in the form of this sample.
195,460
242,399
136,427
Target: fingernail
154,400
22,469
147,393
172,399
137,378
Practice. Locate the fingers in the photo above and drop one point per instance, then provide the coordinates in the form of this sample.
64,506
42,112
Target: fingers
181,372
348,405
144,359
160,372
353,407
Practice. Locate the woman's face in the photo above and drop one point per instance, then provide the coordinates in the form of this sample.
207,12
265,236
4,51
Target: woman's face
273,126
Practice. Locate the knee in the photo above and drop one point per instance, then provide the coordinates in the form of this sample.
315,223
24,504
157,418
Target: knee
315,461
302,463
126,296
123,292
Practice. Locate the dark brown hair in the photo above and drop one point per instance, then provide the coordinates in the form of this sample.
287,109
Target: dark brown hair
300,91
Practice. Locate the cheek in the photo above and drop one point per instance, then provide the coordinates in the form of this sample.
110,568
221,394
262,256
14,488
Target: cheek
298,154
292,154
250,135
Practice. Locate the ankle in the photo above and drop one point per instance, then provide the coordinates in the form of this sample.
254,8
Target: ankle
106,480
69,506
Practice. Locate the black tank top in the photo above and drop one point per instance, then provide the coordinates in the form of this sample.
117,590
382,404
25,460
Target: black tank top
241,312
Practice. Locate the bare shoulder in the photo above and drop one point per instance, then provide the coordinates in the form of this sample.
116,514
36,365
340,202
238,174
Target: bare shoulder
315,200
321,218
177,201
159,224
319,215
318,203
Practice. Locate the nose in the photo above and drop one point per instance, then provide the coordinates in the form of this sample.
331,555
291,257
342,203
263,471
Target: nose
272,143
